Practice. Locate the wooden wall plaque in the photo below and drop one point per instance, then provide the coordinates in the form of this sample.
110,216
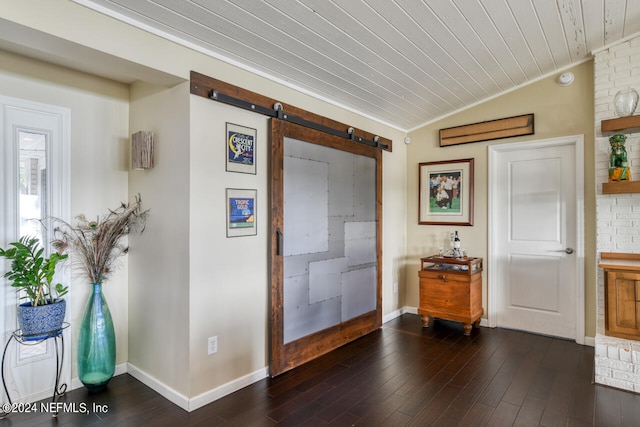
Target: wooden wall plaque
484,131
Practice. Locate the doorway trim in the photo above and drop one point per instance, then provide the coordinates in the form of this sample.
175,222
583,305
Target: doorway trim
578,142
55,121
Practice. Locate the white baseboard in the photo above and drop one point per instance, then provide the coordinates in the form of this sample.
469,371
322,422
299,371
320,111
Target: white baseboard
590,341
191,404
164,390
398,313
228,388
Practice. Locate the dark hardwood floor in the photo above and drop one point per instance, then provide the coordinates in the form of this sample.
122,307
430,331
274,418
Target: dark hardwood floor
400,375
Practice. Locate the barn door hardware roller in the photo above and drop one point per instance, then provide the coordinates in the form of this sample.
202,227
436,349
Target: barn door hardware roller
277,111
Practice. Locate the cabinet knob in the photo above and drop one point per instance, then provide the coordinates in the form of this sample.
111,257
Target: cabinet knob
442,277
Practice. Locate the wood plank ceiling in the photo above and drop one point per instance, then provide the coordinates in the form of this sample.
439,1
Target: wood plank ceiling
401,62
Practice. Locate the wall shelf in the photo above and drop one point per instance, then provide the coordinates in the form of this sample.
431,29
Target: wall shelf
621,187
620,123
612,125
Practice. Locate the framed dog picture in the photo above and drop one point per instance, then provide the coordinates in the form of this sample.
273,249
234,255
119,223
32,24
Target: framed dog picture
446,192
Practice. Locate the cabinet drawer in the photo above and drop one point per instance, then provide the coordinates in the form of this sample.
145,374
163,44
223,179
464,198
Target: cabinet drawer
445,275
453,297
451,293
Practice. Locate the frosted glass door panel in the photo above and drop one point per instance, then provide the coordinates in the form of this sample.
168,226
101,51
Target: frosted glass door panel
329,243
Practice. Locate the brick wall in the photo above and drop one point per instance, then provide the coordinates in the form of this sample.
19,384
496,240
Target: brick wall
617,361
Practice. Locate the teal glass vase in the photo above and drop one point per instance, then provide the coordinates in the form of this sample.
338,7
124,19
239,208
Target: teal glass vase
96,343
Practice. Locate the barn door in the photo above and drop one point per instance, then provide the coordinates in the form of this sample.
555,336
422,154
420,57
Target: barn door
326,243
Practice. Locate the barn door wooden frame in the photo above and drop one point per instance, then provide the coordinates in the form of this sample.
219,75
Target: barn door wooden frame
287,356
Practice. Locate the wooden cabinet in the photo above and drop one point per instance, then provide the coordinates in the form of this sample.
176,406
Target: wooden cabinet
622,295
451,289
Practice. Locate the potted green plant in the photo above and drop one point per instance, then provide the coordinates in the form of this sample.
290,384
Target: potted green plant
32,273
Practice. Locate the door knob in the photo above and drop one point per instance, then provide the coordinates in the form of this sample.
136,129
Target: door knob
568,251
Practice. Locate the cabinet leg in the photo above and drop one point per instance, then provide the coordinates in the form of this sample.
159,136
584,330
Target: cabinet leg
467,328
425,321
477,323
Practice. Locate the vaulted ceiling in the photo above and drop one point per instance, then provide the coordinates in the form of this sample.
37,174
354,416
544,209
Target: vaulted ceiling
401,62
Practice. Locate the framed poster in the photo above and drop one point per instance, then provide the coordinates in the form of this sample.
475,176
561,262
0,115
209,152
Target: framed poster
446,192
241,212
240,142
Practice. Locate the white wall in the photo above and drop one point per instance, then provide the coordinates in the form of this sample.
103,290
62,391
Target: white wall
618,215
229,276
159,275
99,129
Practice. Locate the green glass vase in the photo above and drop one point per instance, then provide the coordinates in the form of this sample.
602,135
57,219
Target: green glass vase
96,343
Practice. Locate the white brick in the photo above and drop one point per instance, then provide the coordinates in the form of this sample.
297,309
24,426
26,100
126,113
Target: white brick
606,201
625,385
630,202
613,353
622,208
628,247
604,214
604,247
625,355
622,238
627,231
601,350
617,365
629,377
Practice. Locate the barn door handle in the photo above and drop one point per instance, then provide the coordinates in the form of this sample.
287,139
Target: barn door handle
280,243
567,251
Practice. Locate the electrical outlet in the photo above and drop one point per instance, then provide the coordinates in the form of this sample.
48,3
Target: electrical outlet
213,345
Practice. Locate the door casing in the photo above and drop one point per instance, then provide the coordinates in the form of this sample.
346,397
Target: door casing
578,142
32,376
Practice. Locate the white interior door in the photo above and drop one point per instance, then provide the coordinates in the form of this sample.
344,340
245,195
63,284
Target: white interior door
537,282
34,180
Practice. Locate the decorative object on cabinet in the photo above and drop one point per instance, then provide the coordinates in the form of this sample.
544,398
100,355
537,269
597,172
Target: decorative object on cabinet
445,195
142,150
625,102
451,289
97,244
240,142
32,274
618,164
621,294
241,212
484,131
